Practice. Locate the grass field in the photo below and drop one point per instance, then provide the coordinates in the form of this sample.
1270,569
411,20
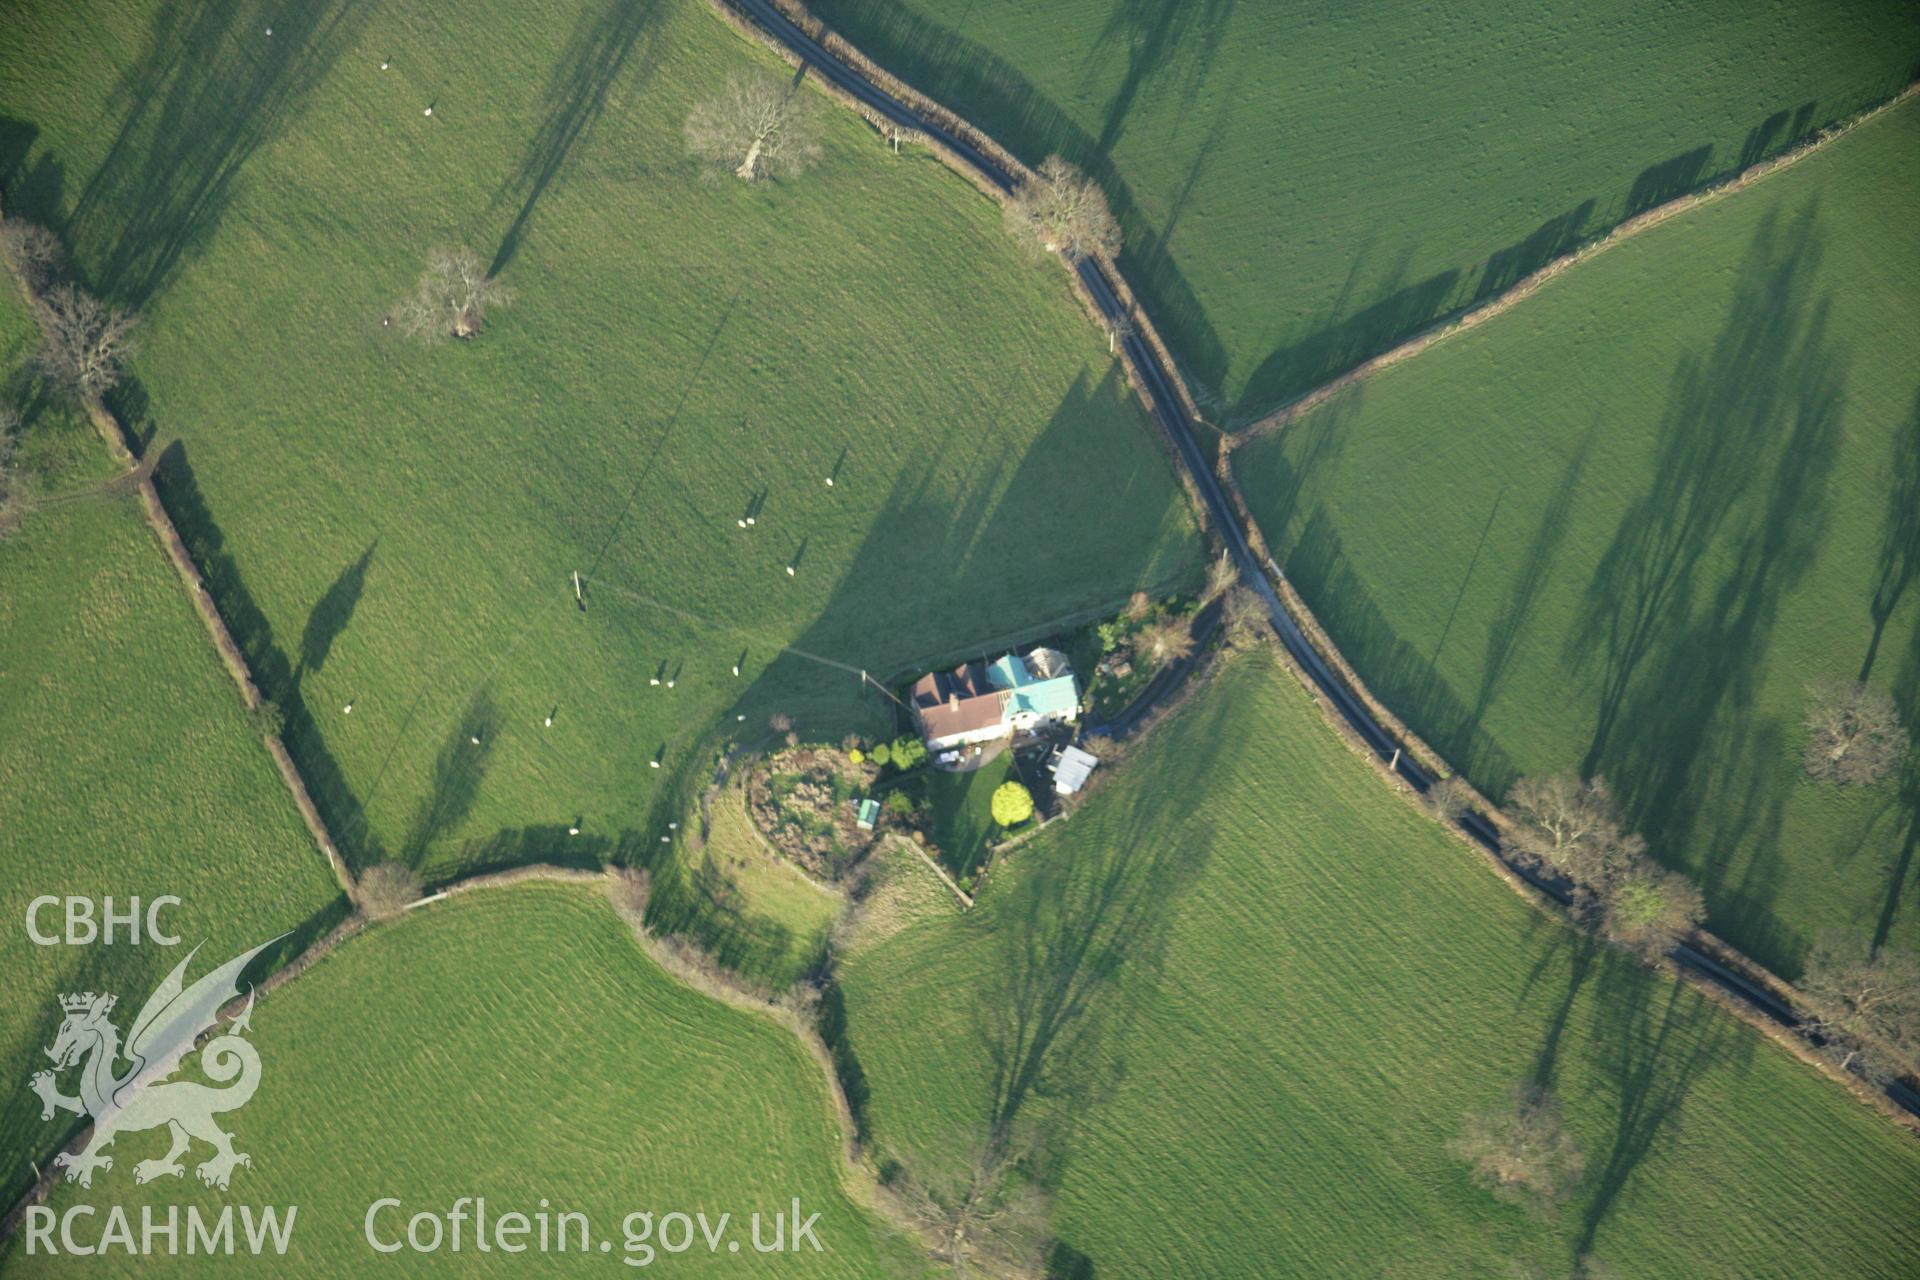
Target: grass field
607,1087
127,767
1300,185
396,528
1248,1020
1627,524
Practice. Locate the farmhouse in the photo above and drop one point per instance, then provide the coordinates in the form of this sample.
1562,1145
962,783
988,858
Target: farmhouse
983,702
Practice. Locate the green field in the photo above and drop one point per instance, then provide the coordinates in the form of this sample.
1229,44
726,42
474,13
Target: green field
127,767
1300,185
1627,524
1246,996
395,527
462,1052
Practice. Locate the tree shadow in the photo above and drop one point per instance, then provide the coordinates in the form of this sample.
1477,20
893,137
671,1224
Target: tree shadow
1765,398
458,770
1906,694
576,95
1651,1039
1047,1017
1583,951
253,634
209,89
1899,536
331,614
1153,31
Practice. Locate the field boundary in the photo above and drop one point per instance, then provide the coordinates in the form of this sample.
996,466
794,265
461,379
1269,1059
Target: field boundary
1524,288
114,433
1750,988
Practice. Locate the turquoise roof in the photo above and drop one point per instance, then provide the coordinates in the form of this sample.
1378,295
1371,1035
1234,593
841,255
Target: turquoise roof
1055,697
1028,692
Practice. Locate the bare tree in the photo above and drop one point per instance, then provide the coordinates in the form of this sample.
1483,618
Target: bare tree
1246,618
453,297
1856,734
84,343
36,253
758,127
1866,1001
980,1213
1062,210
385,889
1119,329
1573,827
1164,641
1647,909
1448,798
1222,574
1521,1149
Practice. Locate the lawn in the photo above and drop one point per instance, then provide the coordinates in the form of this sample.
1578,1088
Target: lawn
1247,994
396,528
1626,525
127,766
461,1052
766,917
1301,185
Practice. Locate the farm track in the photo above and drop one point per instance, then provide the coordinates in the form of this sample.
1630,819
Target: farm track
1165,400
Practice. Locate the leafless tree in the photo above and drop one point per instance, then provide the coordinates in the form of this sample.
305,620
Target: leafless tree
1448,798
1139,605
1222,575
758,127
1573,827
1867,1001
1647,909
979,1212
1246,618
1521,1149
1119,329
1061,210
385,889
1855,734
1167,640
36,253
453,297
780,722
84,343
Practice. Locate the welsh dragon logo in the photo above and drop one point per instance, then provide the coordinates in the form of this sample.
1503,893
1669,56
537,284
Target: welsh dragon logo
140,1095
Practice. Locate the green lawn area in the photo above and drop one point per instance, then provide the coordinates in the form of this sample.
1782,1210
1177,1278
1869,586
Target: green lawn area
462,1052
1300,185
396,527
767,918
1626,525
127,767
1247,996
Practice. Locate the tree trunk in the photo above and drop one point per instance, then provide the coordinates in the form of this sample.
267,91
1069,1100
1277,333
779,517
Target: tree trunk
751,164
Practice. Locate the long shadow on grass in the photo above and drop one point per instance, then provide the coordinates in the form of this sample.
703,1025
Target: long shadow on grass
1652,1038
602,43
339,807
1154,33
332,612
1679,615
458,770
1907,799
209,89
1899,536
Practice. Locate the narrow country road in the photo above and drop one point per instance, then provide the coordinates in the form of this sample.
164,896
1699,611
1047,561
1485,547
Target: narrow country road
1168,408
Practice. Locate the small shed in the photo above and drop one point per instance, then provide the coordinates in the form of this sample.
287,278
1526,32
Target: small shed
1070,769
868,814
